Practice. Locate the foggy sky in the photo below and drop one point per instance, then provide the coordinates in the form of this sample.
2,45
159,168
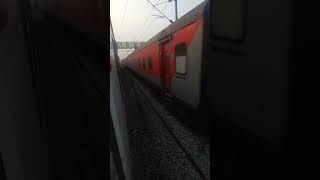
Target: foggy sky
138,24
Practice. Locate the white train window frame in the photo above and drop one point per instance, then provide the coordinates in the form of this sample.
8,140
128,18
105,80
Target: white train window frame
181,59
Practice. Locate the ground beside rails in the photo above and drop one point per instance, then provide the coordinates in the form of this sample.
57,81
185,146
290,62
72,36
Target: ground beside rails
161,146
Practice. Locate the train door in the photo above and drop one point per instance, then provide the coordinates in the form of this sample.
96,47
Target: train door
165,66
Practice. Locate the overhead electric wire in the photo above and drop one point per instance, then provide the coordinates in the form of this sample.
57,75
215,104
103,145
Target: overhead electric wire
149,14
161,2
125,9
145,20
142,32
155,19
160,11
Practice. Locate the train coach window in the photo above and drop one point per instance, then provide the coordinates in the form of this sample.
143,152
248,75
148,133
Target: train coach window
144,64
227,19
181,59
150,63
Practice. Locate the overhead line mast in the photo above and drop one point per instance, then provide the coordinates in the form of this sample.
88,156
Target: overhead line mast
176,8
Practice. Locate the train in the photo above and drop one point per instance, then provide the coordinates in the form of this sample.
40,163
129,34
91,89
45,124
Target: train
164,62
231,59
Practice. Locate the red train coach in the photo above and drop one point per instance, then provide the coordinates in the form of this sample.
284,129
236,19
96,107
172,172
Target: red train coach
172,59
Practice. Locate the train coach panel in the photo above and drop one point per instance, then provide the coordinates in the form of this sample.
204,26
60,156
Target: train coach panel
187,72
145,63
248,79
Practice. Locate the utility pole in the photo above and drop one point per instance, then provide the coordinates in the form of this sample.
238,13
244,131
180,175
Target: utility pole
176,7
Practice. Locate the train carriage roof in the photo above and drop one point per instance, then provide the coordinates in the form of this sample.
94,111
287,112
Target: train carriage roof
186,19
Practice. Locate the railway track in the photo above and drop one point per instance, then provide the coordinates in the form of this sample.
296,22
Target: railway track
170,130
